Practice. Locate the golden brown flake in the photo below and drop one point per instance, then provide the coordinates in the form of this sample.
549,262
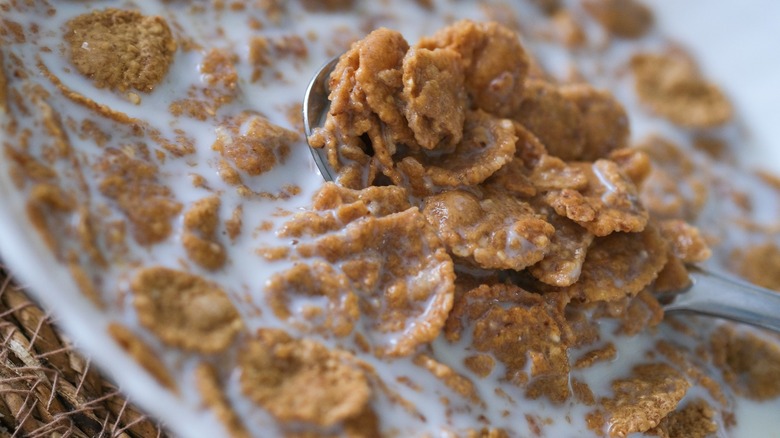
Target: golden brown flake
750,363
143,354
313,281
759,264
619,265
604,120
494,62
254,144
455,381
121,49
694,420
562,264
642,400
609,203
495,232
671,85
380,76
185,310
623,18
606,353
214,398
675,188
200,234
135,186
301,380
393,261
435,97
554,119
505,321
687,243
488,144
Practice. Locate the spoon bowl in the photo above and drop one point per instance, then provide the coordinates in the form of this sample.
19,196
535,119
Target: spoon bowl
315,107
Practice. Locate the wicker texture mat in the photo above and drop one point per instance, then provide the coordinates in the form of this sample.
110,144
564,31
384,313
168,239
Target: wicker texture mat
47,388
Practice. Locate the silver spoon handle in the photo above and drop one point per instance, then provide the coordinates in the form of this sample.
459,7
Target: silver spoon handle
724,297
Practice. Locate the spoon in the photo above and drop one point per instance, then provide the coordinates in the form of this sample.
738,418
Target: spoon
709,293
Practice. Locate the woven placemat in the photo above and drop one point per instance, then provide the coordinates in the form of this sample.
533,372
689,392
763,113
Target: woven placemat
49,389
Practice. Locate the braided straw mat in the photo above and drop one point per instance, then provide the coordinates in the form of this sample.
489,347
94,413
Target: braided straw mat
47,389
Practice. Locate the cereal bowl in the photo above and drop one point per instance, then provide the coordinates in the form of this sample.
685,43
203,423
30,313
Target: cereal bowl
512,191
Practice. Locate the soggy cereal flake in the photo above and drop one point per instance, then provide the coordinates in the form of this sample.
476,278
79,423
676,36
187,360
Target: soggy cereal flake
759,264
694,420
642,400
554,119
381,75
673,277
200,234
685,240
582,392
134,185
494,62
295,294
567,29
435,97
637,313
551,173
336,206
214,397
350,119
604,120
634,163
675,187
380,251
327,5
568,246
505,321
402,275
455,381
609,203
301,380
623,18
185,310
750,363
620,265
488,144
121,49
497,231
671,85
143,354
606,353
254,144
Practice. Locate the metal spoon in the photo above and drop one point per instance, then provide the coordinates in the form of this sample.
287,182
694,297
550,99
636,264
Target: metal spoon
709,293
315,106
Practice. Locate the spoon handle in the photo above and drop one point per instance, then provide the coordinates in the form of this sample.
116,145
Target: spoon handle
720,296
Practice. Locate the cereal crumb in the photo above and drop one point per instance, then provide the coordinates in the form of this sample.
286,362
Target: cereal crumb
200,234
214,397
185,310
142,354
121,49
